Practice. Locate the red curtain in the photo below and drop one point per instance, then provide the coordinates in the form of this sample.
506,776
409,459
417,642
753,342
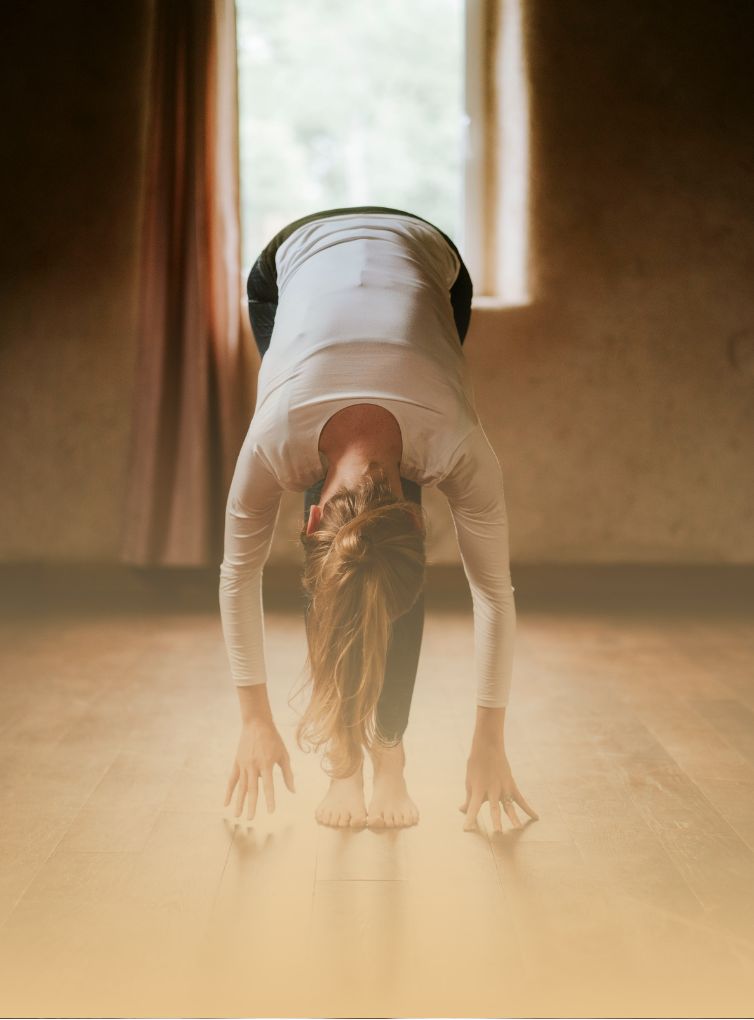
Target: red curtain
194,386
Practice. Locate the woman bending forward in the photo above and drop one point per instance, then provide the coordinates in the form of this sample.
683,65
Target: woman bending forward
364,396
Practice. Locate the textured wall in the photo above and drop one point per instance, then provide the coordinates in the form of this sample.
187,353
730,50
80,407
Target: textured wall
621,402
627,390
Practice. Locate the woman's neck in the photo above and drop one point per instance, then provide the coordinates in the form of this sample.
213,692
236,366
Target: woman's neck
356,437
347,466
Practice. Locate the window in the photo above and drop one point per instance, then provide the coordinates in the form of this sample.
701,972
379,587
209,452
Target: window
351,102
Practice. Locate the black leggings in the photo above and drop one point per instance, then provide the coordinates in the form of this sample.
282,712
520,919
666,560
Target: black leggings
406,632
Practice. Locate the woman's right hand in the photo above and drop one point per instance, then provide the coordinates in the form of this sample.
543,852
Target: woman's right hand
260,747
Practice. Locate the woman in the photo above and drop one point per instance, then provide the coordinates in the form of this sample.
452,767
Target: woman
364,396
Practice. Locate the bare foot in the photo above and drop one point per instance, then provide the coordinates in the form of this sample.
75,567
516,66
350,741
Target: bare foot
343,805
390,806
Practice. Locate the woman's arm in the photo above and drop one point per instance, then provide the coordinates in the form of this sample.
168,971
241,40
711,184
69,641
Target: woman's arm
251,513
475,492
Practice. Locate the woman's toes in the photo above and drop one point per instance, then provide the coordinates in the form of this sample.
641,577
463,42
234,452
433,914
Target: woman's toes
344,819
357,821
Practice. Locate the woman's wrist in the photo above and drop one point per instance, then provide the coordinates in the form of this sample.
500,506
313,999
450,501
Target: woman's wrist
254,704
490,725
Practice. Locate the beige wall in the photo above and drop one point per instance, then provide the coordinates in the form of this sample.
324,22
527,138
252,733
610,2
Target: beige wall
621,402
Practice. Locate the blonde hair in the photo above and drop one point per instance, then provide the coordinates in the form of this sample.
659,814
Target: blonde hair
364,566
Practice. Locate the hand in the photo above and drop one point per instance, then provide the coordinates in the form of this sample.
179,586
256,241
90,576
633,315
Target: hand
489,778
260,747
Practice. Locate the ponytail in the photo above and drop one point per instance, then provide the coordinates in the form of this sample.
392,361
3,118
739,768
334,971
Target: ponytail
364,567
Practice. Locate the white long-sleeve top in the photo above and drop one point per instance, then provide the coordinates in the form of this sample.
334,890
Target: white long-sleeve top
364,316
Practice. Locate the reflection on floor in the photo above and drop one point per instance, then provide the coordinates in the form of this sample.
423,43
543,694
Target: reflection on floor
124,890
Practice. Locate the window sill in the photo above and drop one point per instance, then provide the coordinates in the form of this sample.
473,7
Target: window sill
493,302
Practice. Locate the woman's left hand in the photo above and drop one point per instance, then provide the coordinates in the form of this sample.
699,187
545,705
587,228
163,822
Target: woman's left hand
489,778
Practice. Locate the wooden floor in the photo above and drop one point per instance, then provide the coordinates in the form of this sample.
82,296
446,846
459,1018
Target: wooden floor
125,891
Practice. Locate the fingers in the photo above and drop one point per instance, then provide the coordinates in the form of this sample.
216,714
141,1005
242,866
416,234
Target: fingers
465,806
511,812
242,788
285,766
269,789
253,796
475,803
245,782
529,810
497,822
235,773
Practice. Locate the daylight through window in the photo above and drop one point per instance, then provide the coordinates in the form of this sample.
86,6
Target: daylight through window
348,102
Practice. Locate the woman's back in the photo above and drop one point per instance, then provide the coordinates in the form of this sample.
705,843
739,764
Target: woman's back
364,313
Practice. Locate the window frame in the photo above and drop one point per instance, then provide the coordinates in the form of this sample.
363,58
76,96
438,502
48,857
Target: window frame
496,170
474,145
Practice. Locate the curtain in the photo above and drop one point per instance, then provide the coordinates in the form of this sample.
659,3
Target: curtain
194,385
